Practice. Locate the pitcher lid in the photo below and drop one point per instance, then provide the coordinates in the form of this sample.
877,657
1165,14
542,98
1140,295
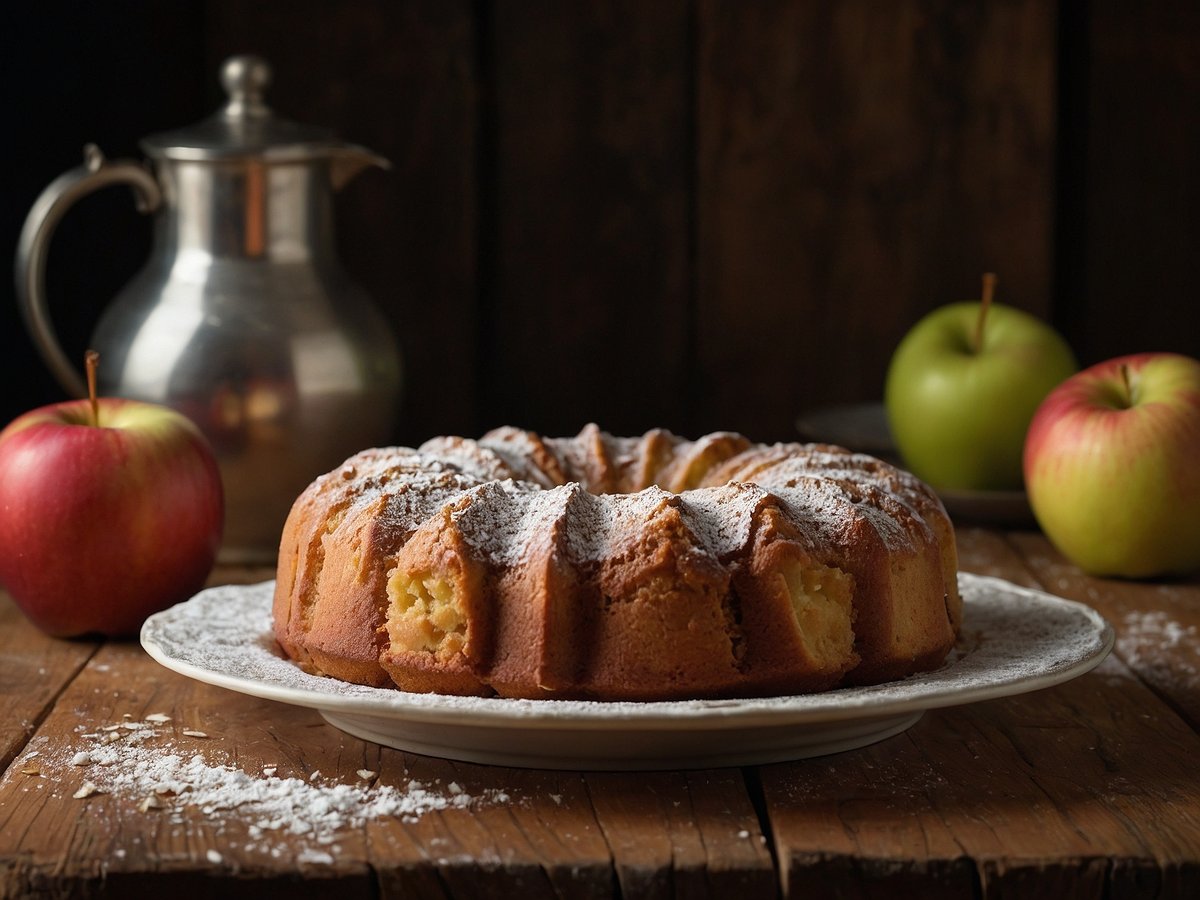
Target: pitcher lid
245,125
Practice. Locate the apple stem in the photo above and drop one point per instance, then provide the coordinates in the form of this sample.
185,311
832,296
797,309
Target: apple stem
1128,386
91,361
989,289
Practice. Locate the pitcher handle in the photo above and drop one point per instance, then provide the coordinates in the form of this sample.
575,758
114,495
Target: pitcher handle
34,246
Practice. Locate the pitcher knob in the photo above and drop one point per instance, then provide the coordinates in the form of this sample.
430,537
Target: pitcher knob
245,79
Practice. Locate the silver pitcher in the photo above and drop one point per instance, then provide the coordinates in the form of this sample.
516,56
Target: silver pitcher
242,318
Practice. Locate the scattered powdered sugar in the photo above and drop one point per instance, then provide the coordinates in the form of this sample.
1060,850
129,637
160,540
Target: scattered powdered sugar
160,776
1145,635
1155,629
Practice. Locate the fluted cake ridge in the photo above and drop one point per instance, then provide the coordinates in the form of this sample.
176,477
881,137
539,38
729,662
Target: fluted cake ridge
596,566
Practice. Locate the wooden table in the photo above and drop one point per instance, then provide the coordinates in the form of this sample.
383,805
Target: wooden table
1089,789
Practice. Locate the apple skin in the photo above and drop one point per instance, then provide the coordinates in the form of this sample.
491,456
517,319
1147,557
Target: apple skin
1114,478
102,526
959,417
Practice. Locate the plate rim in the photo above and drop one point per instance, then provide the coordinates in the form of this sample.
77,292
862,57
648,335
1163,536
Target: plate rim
575,715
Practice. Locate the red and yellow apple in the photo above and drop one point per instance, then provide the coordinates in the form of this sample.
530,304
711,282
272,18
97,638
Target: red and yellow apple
962,387
110,510
1112,466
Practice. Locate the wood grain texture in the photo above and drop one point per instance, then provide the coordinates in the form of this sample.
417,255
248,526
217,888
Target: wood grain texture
588,257
858,165
58,845
36,669
692,834
1076,791
1087,789
701,213
545,842
1158,625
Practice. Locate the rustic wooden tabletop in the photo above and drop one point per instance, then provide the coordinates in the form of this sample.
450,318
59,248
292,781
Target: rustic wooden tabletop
121,777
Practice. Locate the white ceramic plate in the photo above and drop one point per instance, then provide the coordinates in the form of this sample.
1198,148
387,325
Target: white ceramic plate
1014,640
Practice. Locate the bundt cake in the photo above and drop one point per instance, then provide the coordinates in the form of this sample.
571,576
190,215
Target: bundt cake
610,568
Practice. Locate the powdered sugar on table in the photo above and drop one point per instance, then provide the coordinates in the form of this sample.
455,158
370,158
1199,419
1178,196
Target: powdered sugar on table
139,762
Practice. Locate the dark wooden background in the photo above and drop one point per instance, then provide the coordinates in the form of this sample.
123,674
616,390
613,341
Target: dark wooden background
693,213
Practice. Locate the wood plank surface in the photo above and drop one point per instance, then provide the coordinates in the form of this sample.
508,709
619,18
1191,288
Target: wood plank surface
108,839
1157,624
858,165
742,204
1077,791
533,833
530,833
36,669
1087,789
692,834
543,841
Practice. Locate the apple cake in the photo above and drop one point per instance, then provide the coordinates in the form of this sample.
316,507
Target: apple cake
610,568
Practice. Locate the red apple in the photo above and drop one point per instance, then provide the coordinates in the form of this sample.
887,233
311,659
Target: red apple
1112,469
110,510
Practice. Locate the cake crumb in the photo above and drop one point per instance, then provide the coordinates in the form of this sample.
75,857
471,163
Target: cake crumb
82,758
269,770
85,790
366,774
214,857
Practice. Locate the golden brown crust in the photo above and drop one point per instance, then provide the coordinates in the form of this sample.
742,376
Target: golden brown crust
437,549
776,658
544,568
317,511
693,462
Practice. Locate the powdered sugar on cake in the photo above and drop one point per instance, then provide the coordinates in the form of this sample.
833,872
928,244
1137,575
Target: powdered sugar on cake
415,484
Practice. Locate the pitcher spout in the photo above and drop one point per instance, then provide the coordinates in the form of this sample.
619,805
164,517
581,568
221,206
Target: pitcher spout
351,159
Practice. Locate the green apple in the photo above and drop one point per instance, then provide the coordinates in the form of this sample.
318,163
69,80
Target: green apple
1111,466
963,386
